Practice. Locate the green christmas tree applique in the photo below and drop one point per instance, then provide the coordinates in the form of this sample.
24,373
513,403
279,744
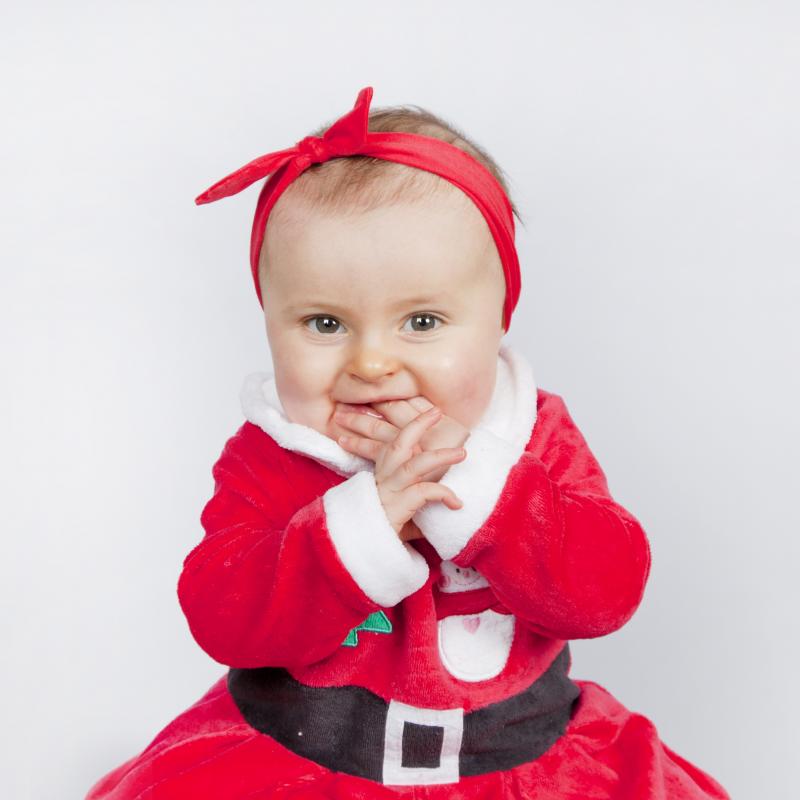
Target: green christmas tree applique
377,622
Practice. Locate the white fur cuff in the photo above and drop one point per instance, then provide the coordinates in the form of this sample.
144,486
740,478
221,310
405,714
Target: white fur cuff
478,481
386,568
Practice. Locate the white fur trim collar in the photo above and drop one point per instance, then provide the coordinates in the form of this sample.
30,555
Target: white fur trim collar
510,415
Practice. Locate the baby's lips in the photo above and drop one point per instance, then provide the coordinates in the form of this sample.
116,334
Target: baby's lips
361,409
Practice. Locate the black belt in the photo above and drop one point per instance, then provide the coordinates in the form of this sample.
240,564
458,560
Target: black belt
351,729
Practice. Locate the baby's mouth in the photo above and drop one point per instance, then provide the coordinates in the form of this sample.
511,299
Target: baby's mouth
361,408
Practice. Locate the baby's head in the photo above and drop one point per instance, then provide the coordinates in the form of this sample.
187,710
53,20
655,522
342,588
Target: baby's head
380,280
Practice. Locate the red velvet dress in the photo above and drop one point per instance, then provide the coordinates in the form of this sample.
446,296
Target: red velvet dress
361,666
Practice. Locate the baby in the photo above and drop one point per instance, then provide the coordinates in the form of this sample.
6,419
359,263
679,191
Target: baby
405,532
380,319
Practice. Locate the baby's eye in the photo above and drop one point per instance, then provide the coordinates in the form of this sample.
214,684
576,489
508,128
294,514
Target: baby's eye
420,323
425,322
327,325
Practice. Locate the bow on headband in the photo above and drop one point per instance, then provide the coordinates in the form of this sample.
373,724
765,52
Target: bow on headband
344,138
350,136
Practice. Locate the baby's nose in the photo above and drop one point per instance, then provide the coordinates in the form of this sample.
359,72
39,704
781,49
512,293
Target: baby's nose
373,362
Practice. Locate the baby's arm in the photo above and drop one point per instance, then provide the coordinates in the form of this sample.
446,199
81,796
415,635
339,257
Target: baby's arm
543,530
274,584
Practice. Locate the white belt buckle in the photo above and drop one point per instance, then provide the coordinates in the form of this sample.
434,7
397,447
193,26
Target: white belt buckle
451,720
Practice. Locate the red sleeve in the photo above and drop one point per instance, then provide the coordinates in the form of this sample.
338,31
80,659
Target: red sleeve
543,529
280,582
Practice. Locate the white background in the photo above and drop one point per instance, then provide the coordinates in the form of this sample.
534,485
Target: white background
653,151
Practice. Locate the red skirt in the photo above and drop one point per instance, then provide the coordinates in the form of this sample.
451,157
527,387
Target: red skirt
209,751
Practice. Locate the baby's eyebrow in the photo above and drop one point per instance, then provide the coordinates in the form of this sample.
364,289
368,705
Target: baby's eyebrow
409,301
307,306
420,300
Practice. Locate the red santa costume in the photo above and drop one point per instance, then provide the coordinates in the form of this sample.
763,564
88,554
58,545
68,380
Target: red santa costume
362,666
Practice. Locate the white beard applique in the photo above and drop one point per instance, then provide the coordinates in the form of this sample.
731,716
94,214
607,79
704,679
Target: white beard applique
472,647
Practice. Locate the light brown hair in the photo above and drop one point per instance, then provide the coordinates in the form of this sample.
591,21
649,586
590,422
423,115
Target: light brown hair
361,183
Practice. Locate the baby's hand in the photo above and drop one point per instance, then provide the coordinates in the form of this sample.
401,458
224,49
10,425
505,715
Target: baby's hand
399,471
447,432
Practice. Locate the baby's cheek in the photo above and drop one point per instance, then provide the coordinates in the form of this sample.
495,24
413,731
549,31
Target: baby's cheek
467,395
309,411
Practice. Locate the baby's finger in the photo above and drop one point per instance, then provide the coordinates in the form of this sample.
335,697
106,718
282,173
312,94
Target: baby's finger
399,450
371,427
414,497
415,468
420,403
414,430
366,448
401,412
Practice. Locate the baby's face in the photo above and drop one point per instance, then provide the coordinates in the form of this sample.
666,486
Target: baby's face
401,301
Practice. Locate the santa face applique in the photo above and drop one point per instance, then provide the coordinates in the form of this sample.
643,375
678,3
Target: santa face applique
472,647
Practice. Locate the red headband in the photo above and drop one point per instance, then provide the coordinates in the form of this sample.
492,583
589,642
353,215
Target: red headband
349,136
